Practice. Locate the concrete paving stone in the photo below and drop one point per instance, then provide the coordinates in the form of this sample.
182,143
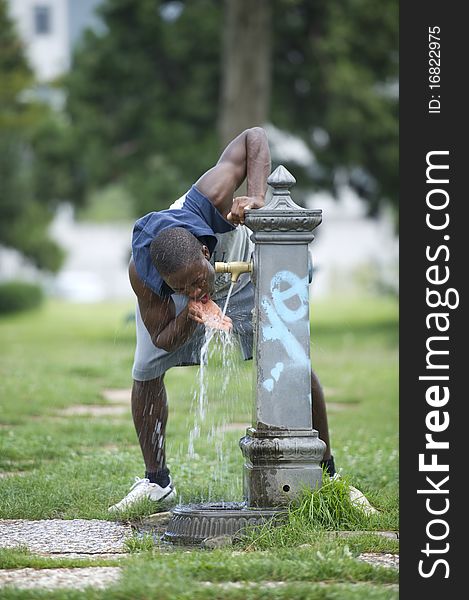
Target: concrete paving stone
5,474
237,585
84,555
118,396
79,536
380,559
393,535
50,579
94,410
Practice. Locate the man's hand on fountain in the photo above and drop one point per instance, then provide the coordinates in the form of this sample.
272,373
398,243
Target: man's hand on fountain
240,204
209,314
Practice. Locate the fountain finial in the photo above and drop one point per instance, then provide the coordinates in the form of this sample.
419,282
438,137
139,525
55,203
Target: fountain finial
281,178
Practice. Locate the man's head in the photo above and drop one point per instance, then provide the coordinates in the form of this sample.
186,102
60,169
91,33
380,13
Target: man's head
182,261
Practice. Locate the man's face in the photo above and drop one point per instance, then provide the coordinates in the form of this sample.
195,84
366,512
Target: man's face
196,280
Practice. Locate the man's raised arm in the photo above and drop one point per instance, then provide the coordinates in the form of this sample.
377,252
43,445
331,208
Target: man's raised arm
247,156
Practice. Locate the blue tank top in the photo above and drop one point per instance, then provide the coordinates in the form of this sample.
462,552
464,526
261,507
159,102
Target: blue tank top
195,213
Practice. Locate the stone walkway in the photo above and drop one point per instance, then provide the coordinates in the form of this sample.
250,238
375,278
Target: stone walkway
56,538
51,579
381,559
80,538
77,536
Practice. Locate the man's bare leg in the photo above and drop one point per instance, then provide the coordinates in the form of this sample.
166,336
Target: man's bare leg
150,414
320,421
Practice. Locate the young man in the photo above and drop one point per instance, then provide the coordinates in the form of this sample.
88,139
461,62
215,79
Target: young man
172,275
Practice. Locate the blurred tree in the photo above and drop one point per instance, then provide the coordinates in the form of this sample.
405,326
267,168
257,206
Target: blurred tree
335,86
147,92
246,67
143,96
24,213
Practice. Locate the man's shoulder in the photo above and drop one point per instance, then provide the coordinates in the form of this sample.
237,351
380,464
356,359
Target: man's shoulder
135,280
141,290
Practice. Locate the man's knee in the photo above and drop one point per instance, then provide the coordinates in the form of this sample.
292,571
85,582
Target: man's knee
150,387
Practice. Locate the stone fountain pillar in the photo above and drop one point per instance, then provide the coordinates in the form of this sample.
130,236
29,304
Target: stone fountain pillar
282,450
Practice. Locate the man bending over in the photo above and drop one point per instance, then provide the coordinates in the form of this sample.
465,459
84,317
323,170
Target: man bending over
171,272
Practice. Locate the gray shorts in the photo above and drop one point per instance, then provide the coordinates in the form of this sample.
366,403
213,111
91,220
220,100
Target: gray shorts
151,362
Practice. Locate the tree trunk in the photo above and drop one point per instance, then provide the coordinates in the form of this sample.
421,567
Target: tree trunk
246,72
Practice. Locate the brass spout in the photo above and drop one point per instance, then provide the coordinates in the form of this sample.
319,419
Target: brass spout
235,268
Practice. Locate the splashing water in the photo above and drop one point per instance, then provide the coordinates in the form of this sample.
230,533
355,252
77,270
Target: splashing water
218,400
227,299
224,340
200,397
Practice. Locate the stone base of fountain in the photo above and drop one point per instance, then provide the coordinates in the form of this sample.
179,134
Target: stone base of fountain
279,466
192,524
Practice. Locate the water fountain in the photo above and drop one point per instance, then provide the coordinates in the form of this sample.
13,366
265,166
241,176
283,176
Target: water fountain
282,450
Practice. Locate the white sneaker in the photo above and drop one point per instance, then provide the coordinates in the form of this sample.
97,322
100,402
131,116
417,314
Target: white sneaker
141,489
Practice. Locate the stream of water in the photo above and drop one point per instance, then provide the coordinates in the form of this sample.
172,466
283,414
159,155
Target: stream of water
200,398
227,299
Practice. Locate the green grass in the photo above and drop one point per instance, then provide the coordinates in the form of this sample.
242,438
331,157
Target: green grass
61,466
20,557
331,572
326,510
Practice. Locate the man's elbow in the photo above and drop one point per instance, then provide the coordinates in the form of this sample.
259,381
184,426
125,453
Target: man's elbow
256,141
161,343
256,131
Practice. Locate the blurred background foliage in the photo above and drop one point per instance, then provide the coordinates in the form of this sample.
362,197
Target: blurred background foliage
25,207
154,94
